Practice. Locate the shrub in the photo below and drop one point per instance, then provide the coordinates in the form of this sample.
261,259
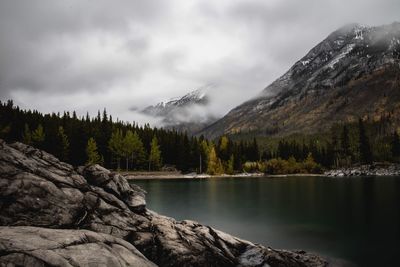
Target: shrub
291,166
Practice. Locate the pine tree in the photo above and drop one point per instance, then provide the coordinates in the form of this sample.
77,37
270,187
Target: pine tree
128,146
38,136
204,150
345,146
93,156
27,135
63,144
155,155
345,141
255,151
230,165
395,146
138,153
116,146
364,145
4,131
223,148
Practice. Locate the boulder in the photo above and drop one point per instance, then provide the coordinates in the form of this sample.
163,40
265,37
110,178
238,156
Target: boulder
38,190
36,246
375,169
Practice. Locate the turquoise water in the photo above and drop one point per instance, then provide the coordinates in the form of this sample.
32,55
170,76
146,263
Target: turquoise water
356,219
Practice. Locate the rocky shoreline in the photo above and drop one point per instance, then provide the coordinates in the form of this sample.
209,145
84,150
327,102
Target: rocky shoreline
189,176
55,215
376,169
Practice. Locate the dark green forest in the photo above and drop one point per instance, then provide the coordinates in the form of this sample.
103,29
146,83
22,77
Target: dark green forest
100,139
123,145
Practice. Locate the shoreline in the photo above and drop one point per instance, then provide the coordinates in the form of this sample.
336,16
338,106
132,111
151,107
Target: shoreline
206,176
375,169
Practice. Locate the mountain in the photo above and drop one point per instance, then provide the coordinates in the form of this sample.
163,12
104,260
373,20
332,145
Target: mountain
186,113
354,72
198,97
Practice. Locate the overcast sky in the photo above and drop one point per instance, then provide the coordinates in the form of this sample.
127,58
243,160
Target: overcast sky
88,54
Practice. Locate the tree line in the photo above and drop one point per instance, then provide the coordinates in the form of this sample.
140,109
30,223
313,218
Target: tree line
344,145
117,144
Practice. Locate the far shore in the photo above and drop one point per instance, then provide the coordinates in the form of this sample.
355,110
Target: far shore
177,175
374,169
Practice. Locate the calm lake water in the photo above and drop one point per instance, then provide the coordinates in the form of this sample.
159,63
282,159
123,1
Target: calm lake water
356,219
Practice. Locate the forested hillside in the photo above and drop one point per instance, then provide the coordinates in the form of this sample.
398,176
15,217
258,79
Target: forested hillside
353,73
123,145
113,143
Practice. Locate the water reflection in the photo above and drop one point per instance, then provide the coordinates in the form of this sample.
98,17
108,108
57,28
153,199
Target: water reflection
356,219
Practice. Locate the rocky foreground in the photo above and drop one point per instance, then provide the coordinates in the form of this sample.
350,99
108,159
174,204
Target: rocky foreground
375,169
55,215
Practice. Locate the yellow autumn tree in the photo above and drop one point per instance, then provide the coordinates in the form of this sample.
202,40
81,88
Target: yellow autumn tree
214,166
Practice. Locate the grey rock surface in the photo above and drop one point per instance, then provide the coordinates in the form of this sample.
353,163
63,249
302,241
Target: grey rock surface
38,190
366,170
36,246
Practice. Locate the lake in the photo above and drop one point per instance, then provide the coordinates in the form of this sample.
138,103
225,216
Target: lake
356,219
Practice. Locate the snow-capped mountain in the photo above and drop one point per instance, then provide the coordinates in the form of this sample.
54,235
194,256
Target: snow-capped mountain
163,109
186,113
354,72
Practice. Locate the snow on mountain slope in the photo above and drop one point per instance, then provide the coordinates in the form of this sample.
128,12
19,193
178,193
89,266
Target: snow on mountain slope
347,75
186,113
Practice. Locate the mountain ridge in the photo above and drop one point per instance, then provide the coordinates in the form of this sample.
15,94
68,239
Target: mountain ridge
184,113
327,77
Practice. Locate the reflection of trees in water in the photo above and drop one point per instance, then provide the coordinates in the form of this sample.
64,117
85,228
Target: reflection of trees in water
397,192
369,199
348,205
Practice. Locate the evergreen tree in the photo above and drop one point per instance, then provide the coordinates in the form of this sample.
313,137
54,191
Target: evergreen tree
333,149
128,146
230,165
255,155
345,141
38,136
345,146
27,135
138,153
93,156
184,153
63,144
364,145
116,145
395,146
155,155
4,131
204,150
223,148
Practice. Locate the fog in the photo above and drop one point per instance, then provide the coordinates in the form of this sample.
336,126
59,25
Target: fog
89,55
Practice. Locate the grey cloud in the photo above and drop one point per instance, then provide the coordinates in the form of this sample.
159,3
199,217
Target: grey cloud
137,53
40,42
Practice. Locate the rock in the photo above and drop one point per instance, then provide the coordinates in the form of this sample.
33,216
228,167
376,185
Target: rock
114,183
35,246
375,169
36,189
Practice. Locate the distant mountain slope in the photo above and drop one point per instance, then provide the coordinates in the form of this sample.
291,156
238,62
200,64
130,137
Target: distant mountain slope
354,72
184,113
